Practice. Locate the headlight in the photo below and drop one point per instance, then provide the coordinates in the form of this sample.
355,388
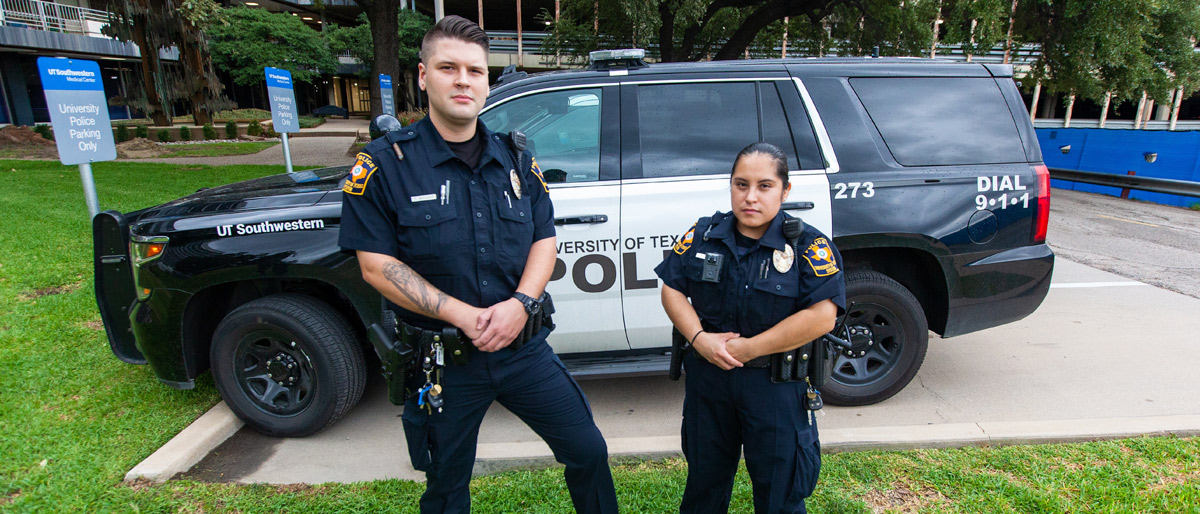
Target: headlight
144,249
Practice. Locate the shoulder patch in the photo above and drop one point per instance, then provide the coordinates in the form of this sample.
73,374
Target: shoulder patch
356,182
685,241
820,257
537,172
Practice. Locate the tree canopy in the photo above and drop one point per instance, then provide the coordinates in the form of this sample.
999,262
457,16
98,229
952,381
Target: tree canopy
155,25
1083,47
358,41
251,39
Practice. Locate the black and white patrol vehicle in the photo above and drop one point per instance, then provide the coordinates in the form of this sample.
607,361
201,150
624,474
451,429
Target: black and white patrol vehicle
928,176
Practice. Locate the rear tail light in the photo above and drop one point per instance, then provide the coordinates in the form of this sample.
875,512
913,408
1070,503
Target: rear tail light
1041,217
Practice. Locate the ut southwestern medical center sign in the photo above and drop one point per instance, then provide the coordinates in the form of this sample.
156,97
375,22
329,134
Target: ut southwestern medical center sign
78,110
385,94
283,101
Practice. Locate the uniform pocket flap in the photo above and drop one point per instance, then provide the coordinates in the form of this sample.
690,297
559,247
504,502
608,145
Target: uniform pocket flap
779,284
424,215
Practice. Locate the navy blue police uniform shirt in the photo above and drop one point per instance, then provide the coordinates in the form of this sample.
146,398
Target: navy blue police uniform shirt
753,293
466,231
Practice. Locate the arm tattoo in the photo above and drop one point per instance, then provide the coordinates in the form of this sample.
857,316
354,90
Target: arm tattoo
415,288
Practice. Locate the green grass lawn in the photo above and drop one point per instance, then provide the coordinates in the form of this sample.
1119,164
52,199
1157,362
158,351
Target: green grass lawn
217,149
74,419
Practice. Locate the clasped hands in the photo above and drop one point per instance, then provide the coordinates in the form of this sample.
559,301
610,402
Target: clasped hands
726,350
497,326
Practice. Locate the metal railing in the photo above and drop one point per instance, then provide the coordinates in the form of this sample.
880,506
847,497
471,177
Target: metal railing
1154,185
505,41
49,16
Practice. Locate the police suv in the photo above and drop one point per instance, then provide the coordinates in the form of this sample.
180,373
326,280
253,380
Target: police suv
928,176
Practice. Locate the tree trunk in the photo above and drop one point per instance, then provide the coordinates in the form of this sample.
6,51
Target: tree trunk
196,75
666,32
384,32
150,69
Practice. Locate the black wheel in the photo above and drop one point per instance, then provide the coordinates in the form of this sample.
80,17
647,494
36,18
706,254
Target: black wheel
890,335
287,364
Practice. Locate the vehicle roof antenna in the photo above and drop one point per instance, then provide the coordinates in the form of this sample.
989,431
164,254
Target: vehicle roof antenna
509,74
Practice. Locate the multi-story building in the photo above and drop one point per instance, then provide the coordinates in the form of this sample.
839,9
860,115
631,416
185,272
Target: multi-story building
74,28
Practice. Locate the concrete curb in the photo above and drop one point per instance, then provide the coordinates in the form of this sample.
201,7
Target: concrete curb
497,457
188,446
218,424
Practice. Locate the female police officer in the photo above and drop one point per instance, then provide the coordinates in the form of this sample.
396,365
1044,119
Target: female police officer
752,295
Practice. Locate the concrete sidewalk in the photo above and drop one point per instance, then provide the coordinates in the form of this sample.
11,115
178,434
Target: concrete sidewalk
1069,372
324,145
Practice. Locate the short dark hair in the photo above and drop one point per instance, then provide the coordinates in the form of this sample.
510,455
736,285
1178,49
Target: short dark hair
770,150
453,27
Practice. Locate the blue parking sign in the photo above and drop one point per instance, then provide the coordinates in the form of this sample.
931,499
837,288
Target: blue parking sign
283,100
386,95
78,110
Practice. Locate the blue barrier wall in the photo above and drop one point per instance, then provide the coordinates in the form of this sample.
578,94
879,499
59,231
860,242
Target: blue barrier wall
1120,151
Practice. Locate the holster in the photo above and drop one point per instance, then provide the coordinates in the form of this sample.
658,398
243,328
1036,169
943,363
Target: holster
792,365
679,346
534,324
395,357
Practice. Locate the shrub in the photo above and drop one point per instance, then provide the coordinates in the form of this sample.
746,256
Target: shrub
311,121
141,131
185,134
1194,207
209,132
164,135
231,130
255,129
44,130
122,133
269,131
409,117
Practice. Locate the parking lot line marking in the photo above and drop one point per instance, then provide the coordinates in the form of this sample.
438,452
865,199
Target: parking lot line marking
1128,221
1076,285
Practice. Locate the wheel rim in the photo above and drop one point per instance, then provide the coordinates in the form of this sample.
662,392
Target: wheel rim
274,373
878,342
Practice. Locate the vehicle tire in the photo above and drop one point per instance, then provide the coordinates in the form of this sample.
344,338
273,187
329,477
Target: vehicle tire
287,364
890,336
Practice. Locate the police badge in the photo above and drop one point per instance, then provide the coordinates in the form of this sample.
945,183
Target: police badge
783,259
516,183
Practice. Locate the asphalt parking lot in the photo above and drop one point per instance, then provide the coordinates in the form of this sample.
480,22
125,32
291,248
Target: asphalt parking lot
1103,345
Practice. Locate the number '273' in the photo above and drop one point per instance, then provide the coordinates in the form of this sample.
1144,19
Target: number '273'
867,187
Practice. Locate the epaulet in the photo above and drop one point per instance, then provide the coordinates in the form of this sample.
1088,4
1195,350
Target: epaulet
392,139
404,134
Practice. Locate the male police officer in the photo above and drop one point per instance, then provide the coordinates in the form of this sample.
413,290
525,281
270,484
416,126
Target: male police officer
457,231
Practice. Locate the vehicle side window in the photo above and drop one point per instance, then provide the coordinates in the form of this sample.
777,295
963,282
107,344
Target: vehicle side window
695,129
778,126
941,121
562,129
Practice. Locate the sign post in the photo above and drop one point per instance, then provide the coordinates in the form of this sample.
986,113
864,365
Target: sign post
79,113
283,108
387,98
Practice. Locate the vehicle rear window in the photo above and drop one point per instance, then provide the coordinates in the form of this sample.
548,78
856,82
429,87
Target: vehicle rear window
941,121
695,129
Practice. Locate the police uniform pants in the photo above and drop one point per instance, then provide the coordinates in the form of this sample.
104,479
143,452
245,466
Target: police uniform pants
725,412
532,383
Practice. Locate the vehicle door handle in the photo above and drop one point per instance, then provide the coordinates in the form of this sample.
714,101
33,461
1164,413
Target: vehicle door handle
798,206
581,219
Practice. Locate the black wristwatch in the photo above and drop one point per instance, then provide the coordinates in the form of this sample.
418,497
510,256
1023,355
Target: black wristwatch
532,306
